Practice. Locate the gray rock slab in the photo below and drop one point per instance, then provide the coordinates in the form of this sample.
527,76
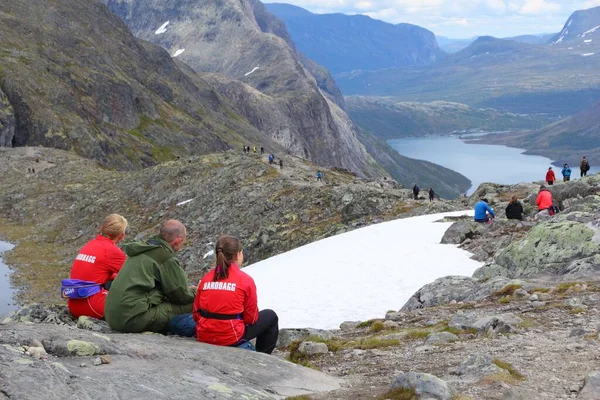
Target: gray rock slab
426,386
151,366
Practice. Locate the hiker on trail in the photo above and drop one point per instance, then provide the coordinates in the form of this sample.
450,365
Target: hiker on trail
319,176
280,164
33,170
431,195
566,173
416,191
584,167
514,209
254,149
151,292
28,170
271,159
226,309
550,177
94,269
262,150
483,212
545,204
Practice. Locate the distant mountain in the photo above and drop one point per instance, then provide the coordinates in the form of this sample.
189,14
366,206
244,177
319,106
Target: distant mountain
390,119
495,73
453,45
581,25
532,39
356,42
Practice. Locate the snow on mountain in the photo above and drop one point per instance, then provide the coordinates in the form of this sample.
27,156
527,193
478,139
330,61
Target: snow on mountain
590,31
162,29
253,70
358,275
178,52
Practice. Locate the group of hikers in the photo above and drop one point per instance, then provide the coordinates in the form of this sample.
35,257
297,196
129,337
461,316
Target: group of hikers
416,190
248,149
144,288
272,160
514,210
566,172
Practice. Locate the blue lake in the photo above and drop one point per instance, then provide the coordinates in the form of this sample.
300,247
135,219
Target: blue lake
6,290
480,162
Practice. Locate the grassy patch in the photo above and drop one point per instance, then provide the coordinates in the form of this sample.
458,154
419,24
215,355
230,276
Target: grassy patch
507,290
299,358
509,368
577,310
563,287
527,323
162,153
505,300
414,334
499,377
540,290
377,326
367,324
398,394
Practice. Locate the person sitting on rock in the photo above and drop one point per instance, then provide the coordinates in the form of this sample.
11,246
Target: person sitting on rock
544,203
514,209
151,292
95,267
226,308
550,177
483,212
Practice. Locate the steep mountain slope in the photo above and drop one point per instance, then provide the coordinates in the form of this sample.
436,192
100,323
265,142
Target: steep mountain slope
228,37
96,89
494,73
390,119
450,45
356,42
532,39
581,25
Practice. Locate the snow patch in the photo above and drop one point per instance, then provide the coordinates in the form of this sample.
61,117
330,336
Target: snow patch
210,253
162,29
348,278
587,54
590,31
569,23
185,202
253,70
178,52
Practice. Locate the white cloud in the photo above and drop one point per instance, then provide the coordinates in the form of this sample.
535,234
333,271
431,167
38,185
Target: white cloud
461,18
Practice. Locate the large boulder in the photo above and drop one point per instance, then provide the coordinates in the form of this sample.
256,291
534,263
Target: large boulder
476,367
153,366
545,250
591,387
463,230
426,386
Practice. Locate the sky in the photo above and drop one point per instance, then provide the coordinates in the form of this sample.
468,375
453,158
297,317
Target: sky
460,18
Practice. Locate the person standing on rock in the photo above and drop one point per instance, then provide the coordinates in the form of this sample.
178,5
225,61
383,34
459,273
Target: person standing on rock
566,173
584,167
151,292
544,203
96,265
550,177
431,195
226,308
262,150
514,209
483,212
416,192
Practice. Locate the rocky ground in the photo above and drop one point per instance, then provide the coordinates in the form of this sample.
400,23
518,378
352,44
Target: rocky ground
525,326
51,213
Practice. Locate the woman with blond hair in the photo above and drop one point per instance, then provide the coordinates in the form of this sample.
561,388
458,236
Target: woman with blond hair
94,268
226,309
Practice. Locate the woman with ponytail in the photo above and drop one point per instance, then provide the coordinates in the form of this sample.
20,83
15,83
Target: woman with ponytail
225,308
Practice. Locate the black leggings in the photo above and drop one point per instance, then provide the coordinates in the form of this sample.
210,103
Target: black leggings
265,330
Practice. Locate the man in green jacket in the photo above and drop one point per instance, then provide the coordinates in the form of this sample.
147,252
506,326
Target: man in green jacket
151,291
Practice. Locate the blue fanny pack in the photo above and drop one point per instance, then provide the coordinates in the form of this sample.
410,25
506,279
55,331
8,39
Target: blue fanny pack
75,289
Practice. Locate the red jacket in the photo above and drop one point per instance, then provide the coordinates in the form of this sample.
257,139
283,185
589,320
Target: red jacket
544,200
550,177
98,261
234,295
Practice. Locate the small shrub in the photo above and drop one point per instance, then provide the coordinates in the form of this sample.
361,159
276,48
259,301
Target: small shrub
577,310
377,326
540,290
563,287
367,324
399,394
505,300
417,334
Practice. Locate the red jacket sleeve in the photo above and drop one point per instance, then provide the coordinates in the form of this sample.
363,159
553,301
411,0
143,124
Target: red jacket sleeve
251,304
538,200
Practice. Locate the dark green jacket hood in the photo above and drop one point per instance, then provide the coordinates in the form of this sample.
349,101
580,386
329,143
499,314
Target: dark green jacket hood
137,248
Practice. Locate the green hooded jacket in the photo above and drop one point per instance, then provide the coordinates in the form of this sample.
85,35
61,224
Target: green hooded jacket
150,289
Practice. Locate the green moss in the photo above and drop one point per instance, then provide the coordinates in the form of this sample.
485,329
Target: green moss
162,153
377,326
301,397
417,334
399,394
367,324
563,287
508,290
577,310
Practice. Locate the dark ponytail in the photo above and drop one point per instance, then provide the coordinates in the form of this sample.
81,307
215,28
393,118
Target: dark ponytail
226,249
